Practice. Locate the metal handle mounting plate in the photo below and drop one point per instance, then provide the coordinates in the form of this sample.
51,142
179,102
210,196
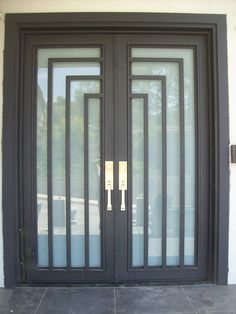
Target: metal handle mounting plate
109,182
122,182
122,175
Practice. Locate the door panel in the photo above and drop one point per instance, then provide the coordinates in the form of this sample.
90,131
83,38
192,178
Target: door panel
96,98
164,230
67,117
73,138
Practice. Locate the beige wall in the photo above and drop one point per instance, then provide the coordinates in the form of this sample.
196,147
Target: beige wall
181,6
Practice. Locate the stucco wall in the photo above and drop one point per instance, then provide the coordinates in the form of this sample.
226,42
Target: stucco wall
185,6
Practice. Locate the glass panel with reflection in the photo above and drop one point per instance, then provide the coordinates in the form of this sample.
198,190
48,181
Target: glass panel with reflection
137,113
59,72
78,91
152,88
171,71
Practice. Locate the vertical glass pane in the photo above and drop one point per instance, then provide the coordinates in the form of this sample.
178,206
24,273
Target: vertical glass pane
94,182
58,171
155,176
58,150
137,110
77,176
189,245
60,71
152,88
171,71
42,201
173,168
78,89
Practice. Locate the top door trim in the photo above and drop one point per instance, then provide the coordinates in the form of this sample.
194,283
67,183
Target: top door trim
213,26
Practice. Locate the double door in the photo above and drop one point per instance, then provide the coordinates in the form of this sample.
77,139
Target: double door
115,138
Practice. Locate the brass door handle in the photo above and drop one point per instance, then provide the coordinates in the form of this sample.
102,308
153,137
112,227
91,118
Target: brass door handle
122,182
109,182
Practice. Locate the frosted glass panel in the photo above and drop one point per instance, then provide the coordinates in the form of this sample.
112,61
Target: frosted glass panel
78,89
137,108
94,182
171,71
152,88
42,199
155,176
77,174
59,72
173,167
45,53
155,68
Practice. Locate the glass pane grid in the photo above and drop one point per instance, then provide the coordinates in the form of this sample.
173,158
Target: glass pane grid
180,185
57,249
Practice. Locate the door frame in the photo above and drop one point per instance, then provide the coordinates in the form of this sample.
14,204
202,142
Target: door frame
19,25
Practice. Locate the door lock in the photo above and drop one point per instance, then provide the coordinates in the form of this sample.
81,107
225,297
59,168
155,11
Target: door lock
122,182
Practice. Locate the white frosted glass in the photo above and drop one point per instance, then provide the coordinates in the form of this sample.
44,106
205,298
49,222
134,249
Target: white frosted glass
173,168
60,71
171,72
78,89
42,201
94,182
152,89
137,108
45,53
77,174
160,68
155,176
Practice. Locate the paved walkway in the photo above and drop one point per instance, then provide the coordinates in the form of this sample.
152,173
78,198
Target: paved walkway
123,300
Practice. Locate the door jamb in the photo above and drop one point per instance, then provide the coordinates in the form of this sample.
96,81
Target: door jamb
19,25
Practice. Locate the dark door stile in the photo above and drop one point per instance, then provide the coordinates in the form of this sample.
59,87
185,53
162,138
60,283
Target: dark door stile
116,238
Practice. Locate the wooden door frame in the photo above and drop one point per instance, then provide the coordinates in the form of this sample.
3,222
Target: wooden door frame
19,25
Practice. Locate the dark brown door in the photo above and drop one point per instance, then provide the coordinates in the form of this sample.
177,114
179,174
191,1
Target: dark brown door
69,232
161,131
115,158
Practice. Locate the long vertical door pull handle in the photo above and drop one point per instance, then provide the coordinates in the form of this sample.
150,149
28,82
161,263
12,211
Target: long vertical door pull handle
122,182
109,182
